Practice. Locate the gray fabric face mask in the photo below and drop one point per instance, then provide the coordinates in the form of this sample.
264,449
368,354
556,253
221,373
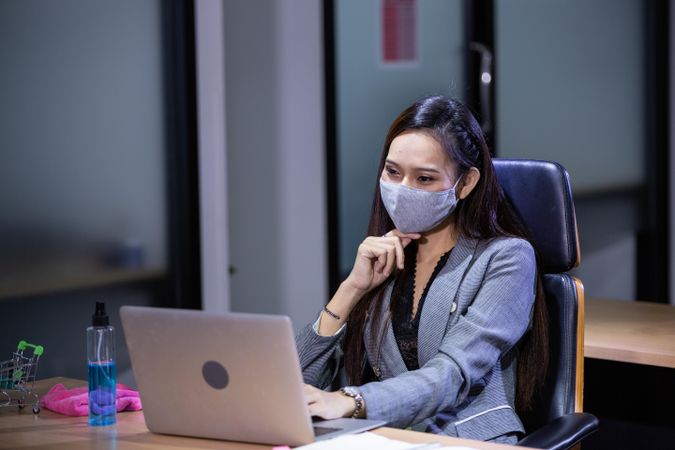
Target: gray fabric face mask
416,210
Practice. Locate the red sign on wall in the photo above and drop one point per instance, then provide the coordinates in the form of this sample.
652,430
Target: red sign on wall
399,31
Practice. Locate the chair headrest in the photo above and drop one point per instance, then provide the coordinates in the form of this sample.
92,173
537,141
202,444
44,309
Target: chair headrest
541,194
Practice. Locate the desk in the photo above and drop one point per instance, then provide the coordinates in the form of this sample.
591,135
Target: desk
48,430
627,331
630,356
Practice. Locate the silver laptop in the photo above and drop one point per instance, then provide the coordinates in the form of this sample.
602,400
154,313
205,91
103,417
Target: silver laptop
223,376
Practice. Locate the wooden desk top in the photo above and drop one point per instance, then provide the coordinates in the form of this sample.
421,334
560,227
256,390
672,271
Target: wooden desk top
628,331
49,430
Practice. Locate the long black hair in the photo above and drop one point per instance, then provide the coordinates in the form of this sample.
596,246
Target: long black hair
485,213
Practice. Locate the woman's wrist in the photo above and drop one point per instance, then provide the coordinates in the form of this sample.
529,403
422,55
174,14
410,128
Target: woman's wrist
335,313
357,404
344,300
349,405
349,292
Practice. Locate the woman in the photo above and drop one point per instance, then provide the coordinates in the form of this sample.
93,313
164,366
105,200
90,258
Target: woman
441,323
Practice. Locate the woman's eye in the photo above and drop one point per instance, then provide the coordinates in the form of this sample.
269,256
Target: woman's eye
391,171
425,179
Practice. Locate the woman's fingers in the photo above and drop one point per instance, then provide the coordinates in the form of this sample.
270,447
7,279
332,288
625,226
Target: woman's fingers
400,255
318,409
405,238
378,256
316,401
313,400
375,251
311,394
391,258
401,241
398,245
384,251
381,260
329,405
387,251
314,410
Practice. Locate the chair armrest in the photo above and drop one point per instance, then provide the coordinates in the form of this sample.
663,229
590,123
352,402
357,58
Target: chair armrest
562,433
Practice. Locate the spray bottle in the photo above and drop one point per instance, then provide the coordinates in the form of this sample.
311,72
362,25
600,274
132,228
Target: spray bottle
101,358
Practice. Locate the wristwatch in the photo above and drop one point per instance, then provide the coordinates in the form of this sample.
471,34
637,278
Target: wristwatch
356,395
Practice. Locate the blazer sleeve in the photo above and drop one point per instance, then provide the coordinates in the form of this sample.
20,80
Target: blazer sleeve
495,321
320,356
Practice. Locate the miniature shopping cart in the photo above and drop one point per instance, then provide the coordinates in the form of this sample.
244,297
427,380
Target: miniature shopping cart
17,376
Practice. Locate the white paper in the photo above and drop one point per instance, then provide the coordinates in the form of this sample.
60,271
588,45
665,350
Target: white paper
370,441
361,441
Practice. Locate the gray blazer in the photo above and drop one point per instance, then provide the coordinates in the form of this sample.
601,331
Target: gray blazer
476,310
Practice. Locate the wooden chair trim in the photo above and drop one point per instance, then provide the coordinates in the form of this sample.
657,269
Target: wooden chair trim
576,232
579,384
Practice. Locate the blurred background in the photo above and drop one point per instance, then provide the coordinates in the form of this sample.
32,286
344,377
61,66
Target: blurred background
222,154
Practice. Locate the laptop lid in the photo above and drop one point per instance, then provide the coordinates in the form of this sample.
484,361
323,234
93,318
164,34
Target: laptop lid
226,376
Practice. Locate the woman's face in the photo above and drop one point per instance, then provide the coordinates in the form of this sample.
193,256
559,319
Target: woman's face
417,160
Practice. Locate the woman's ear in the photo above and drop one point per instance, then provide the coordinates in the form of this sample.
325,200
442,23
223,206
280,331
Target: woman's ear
469,182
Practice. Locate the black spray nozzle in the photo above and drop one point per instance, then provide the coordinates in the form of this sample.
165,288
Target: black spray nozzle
100,318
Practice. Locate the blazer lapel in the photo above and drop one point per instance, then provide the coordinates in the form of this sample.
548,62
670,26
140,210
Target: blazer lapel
438,304
385,359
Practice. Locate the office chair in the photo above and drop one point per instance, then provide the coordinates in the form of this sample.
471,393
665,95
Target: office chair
541,195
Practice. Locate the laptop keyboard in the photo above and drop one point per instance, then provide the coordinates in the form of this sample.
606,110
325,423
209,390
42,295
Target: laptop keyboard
318,431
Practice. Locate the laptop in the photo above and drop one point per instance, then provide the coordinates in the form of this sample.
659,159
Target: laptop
229,376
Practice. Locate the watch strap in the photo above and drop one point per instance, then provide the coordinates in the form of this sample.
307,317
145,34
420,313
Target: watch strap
358,399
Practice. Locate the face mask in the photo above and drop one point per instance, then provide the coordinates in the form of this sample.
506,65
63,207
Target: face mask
416,210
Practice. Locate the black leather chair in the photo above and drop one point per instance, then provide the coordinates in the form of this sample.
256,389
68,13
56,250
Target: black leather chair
541,195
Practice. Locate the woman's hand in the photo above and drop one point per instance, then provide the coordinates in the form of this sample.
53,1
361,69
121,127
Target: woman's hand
377,257
328,405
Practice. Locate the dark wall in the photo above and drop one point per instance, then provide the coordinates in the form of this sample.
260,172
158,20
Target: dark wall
58,323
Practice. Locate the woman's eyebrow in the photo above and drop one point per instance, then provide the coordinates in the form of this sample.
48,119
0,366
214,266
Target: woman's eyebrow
419,169
428,169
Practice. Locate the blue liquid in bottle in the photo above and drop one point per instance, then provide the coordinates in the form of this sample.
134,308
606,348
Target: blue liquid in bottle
101,359
102,393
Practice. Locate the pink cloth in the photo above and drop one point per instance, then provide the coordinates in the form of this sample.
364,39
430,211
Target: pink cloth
75,402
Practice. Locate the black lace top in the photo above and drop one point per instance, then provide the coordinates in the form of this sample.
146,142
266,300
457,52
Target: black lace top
404,324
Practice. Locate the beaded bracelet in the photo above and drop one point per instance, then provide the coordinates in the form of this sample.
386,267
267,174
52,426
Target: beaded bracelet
331,313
